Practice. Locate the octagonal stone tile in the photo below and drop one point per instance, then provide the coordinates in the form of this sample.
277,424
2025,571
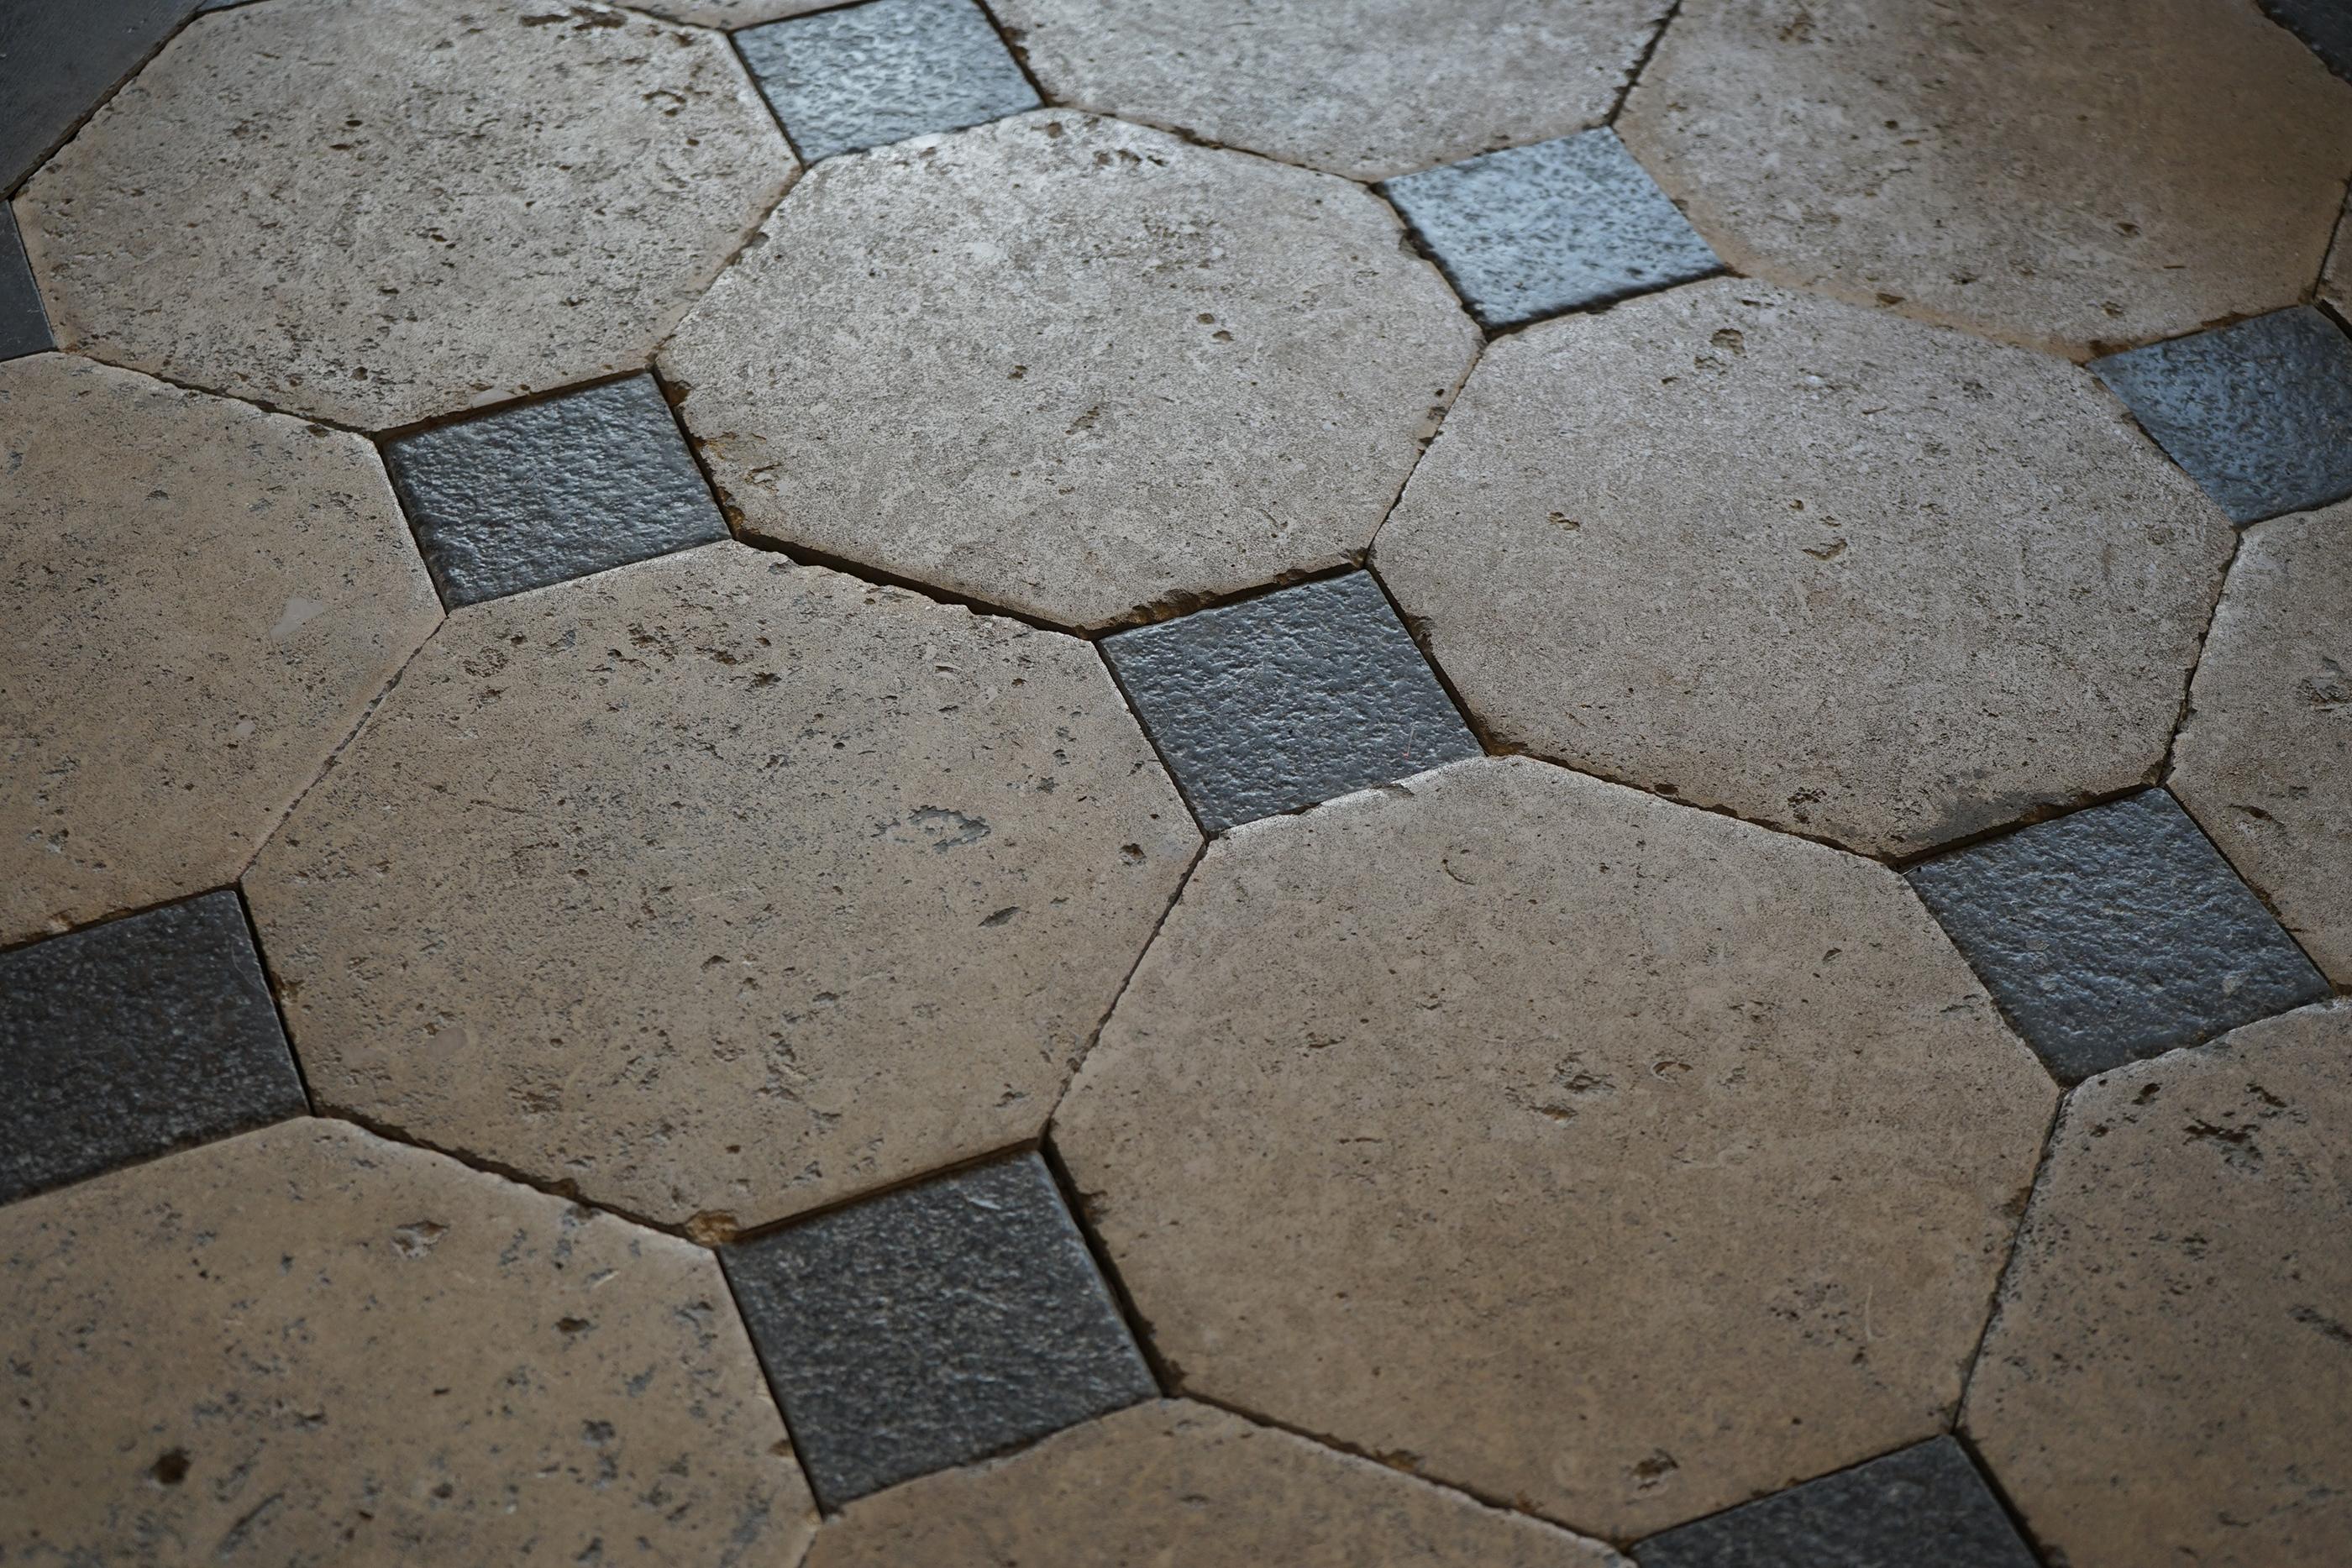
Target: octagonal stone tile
200,600
1621,1159
720,888
373,213
1868,580
2071,177
1071,367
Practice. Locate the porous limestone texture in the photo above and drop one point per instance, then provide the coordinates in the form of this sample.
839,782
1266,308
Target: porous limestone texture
2167,1376
308,1345
1367,89
1833,571
201,600
1620,1158
372,214
2072,177
1070,366
721,887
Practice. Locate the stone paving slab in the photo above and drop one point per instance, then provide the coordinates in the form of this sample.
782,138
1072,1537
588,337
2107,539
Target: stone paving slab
883,71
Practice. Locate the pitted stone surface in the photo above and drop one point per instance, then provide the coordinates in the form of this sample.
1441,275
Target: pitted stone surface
23,325
201,600
1071,367
373,213
1829,569
1178,1485
721,887
935,1325
308,1345
883,71
2070,177
1369,88
2167,1376
58,61
1620,1158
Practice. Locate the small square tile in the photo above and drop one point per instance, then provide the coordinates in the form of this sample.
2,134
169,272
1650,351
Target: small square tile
2260,413
934,1325
1533,230
23,325
58,59
2325,25
2115,933
547,491
866,75
1279,701
134,1037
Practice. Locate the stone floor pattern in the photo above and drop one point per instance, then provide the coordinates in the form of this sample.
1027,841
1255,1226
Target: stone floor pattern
1176,782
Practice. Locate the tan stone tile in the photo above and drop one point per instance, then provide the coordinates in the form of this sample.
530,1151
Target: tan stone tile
309,1345
376,213
1559,1142
1069,367
2167,1377
202,599
715,884
1832,570
2069,176
1179,1485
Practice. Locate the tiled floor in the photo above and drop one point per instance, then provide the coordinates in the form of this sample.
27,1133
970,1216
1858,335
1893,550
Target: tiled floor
1031,782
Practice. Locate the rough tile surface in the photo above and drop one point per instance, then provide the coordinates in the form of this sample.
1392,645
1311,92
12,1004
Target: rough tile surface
23,325
1534,231
201,600
1828,570
1085,367
1560,1142
2116,933
721,887
2325,25
529,495
2166,1378
1284,700
373,213
865,75
1178,1485
308,1345
935,1325
2259,412
2065,176
58,61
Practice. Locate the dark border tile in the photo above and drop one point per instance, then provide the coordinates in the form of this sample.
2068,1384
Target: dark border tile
2325,25
865,75
58,59
23,325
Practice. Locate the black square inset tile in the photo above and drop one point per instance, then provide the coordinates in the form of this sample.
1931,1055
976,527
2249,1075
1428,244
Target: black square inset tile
133,1039
1533,230
1278,702
58,59
2325,25
2260,413
934,1325
1922,1506
866,75
547,491
2115,933
23,325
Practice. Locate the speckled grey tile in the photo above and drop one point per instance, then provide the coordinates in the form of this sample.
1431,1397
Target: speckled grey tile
2260,413
546,491
2116,933
135,1037
2325,25
933,1325
58,59
1533,230
866,75
24,327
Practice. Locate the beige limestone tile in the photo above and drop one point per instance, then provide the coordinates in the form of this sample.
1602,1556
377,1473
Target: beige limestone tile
1864,579
1179,1485
1560,1142
307,1345
201,600
721,887
372,214
1367,89
2073,176
1070,366
2167,1376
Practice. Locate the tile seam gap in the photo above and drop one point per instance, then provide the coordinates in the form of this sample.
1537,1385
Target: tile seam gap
105,98
277,1008
1166,1376
1642,62
775,1398
1014,51
2000,1489
1421,455
1418,635
878,578
1011,1150
1071,1068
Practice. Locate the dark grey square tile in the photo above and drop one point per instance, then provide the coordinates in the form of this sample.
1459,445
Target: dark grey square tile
23,325
2115,933
934,1325
1533,230
1281,701
868,74
58,59
2325,25
546,491
2260,413
135,1037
